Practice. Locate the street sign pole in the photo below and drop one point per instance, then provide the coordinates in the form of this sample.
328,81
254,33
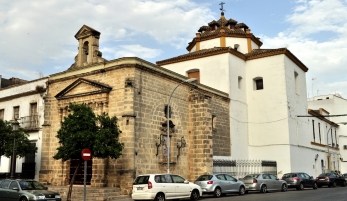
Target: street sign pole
86,155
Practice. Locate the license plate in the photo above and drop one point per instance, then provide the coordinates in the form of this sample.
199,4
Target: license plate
139,188
321,179
247,186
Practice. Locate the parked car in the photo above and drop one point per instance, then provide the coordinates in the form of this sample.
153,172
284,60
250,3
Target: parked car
263,183
299,180
345,176
161,187
26,190
330,180
220,184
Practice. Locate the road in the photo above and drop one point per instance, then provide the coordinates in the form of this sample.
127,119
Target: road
321,194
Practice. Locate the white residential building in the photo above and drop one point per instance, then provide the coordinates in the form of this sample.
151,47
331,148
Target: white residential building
24,102
337,108
267,88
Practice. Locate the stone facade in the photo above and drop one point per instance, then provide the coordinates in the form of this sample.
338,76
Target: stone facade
137,92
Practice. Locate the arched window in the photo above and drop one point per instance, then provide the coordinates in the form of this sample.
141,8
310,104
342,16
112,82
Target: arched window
258,83
194,73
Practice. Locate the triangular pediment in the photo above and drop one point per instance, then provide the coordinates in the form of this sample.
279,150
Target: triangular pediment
86,31
83,87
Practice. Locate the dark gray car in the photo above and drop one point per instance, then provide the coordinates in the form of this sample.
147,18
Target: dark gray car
25,190
300,180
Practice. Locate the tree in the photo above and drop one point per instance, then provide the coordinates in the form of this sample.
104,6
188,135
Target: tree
83,129
23,144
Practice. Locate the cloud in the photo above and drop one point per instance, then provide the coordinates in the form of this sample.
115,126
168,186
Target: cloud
325,58
40,34
137,51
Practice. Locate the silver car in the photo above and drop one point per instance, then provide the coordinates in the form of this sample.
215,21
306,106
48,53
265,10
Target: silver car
220,184
263,183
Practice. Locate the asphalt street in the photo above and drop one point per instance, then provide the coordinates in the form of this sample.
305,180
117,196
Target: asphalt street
321,194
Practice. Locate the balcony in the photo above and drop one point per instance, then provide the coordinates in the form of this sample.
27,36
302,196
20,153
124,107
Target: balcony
30,123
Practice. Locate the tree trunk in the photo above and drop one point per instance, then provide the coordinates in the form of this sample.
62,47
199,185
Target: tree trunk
72,181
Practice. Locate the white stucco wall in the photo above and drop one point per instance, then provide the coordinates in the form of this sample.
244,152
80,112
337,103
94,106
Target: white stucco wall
231,41
207,44
24,104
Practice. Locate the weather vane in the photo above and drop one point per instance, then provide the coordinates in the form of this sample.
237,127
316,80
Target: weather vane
221,4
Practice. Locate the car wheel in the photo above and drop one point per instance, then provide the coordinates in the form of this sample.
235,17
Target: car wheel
242,190
195,195
159,197
315,185
301,187
334,184
263,189
217,192
23,199
284,188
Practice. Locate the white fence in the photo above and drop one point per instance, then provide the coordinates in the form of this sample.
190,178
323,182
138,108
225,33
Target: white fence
240,168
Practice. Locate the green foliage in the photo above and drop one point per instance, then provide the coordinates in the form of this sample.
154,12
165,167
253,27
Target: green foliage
23,145
83,129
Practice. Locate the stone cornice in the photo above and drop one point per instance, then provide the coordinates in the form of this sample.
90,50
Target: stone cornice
102,88
130,62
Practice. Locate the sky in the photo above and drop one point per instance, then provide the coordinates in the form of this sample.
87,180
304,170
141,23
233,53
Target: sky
37,37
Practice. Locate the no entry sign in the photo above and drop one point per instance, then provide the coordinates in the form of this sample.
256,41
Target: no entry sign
86,154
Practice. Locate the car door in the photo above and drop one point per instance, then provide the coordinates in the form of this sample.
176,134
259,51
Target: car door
275,182
267,181
4,190
182,189
223,183
168,186
232,184
309,181
13,191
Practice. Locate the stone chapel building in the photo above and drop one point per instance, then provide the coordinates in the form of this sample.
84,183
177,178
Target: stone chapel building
137,92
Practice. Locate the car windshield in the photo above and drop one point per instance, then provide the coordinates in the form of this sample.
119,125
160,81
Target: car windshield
141,180
204,177
289,175
251,176
324,175
31,185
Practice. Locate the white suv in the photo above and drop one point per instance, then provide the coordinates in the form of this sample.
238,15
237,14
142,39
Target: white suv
159,187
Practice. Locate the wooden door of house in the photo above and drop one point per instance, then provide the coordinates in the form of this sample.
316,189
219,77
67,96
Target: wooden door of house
80,173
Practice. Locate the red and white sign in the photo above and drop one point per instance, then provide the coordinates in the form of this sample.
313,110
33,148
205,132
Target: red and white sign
86,154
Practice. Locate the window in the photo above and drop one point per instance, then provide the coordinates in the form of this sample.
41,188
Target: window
14,185
296,80
273,177
2,112
33,115
336,138
230,178
239,82
314,135
320,139
331,134
258,83
177,179
220,177
16,112
194,73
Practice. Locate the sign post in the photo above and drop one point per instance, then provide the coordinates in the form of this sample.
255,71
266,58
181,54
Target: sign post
86,155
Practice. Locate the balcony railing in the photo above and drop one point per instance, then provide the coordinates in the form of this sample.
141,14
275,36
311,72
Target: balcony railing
30,122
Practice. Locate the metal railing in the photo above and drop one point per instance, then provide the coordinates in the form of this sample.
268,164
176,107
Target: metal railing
30,122
240,168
